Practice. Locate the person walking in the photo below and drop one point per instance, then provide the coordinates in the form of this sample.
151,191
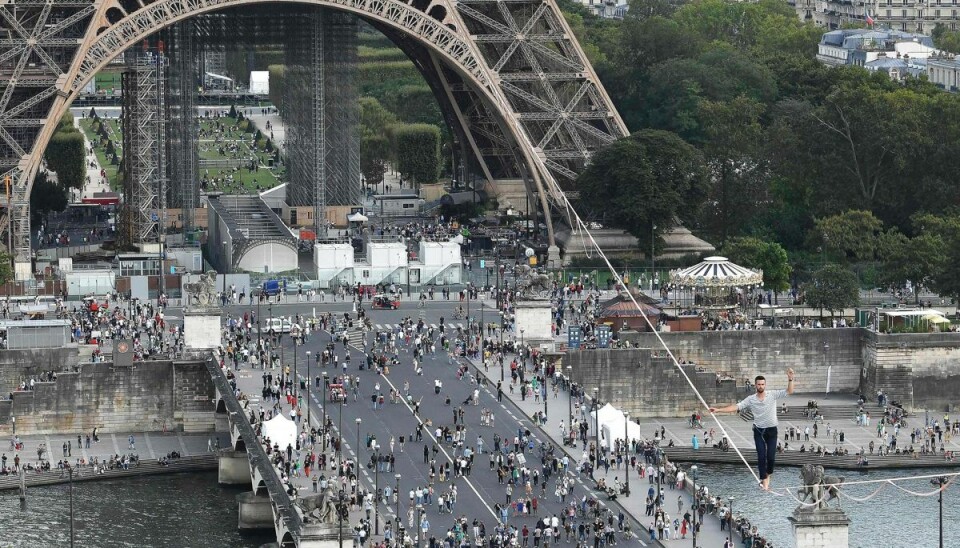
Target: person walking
763,406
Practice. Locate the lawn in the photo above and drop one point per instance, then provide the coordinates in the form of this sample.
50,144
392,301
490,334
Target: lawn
219,139
99,148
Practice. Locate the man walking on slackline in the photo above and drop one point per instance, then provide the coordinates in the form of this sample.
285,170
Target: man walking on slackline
763,405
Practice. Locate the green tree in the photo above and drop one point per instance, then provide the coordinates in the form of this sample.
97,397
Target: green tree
738,171
851,235
47,196
767,256
916,260
417,149
374,151
66,155
833,287
644,181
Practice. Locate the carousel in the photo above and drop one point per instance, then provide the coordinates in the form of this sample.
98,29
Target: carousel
715,284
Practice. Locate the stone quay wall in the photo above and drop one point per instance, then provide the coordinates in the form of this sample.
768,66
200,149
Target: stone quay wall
148,396
17,366
920,370
742,355
642,384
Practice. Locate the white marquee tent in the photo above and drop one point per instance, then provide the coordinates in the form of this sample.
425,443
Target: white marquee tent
281,431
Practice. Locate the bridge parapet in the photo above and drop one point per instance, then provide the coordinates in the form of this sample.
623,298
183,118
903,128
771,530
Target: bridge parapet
288,522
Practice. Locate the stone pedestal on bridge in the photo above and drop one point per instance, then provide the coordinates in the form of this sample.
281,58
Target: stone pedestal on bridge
820,528
534,323
234,468
254,511
324,535
201,329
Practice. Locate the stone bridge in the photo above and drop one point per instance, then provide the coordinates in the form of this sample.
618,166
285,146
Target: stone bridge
267,505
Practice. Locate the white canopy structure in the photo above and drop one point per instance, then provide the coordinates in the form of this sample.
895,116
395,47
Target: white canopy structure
357,218
717,283
281,431
716,272
612,421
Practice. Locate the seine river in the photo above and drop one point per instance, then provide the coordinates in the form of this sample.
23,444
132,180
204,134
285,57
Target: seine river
177,510
891,519
191,510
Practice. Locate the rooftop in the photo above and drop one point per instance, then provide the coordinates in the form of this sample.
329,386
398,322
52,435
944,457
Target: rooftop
247,217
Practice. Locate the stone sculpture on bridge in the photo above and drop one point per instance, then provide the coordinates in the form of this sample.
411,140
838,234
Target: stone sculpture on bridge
532,284
203,292
818,487
320,507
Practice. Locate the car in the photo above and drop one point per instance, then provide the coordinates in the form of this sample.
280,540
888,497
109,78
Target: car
383,302
277,325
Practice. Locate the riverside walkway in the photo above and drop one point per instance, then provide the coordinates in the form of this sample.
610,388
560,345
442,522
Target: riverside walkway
149,447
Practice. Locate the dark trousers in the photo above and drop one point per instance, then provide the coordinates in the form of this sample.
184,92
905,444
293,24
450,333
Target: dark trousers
766,442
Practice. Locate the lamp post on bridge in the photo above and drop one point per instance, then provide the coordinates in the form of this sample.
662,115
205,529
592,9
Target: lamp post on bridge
693,513
309,424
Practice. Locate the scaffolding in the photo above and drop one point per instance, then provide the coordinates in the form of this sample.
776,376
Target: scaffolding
181,103
321,111
144,161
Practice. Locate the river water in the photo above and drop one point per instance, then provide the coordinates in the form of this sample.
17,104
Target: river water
192,510
891,519
176,510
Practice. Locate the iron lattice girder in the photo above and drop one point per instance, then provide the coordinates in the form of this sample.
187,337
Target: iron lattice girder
491,43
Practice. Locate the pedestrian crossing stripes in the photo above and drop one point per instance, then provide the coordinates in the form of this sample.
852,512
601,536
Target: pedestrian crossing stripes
394,326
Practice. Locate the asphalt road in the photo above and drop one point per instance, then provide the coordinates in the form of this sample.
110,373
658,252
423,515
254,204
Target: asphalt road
480,491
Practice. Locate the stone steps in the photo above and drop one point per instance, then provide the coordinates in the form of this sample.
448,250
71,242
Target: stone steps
795,458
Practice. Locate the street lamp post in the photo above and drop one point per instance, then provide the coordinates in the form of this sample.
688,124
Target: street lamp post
396,496
626,448
940,482
653,255
570,398
296,385
502,320
326,390
340,502
417,525
523,355
340,428
730,518
693,514
259,323
826,348
376,492
225,270
596,417
308,388
359,420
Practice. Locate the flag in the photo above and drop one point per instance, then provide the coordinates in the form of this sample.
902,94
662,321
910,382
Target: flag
869,19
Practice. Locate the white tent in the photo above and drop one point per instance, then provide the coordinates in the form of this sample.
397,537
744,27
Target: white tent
607,414
260,82
357,218
281,431
610,432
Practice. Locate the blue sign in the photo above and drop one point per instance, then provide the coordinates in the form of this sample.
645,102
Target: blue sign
574,333
483,263
603,336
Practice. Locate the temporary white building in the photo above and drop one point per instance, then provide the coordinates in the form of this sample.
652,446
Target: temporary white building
612,424
260,82
281,431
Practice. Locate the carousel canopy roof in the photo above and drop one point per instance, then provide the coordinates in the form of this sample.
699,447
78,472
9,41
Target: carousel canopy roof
716,272
622,307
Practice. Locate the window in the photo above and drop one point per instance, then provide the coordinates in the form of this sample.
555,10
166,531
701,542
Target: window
408,206
903,13
936,13
888,13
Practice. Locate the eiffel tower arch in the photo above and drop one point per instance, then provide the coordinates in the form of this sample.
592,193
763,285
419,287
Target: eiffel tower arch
512,81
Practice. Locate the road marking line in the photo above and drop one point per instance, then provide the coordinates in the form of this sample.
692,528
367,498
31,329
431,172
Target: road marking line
447,455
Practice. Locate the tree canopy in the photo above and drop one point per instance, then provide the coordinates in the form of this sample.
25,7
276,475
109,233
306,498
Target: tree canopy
643,181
